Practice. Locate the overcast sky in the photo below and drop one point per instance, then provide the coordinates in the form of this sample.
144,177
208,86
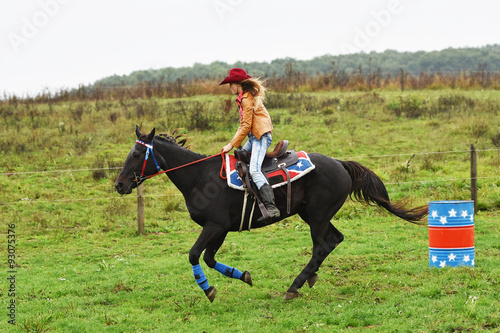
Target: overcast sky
63,43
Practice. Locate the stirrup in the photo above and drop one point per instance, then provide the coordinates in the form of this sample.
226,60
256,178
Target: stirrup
271,217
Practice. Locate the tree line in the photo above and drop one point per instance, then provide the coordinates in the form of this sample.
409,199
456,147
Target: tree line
390,62
465,68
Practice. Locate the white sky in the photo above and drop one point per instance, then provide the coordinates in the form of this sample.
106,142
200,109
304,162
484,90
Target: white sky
63,43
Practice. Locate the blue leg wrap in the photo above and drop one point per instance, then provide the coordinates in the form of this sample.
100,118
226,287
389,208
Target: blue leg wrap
200,277
228,271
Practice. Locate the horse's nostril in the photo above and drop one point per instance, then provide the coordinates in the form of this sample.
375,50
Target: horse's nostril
118,186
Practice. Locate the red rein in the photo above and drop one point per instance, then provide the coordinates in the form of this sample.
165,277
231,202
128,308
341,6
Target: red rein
191,163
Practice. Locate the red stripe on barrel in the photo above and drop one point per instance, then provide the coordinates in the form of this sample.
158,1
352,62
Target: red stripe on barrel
454,237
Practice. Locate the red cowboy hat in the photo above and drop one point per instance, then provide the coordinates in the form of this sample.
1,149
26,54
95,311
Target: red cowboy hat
236,75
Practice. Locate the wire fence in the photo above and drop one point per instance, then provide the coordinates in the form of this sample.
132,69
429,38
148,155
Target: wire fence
68,200
56,171
337,157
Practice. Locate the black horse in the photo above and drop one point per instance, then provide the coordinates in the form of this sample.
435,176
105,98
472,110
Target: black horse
217,208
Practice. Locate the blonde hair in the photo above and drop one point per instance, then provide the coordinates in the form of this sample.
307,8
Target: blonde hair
256,87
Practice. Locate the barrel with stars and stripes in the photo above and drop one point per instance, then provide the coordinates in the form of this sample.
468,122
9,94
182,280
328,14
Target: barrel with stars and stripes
451,233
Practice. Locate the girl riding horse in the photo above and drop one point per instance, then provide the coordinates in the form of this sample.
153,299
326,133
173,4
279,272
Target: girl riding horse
255,122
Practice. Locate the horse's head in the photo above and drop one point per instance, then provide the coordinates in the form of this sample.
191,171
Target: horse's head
130,176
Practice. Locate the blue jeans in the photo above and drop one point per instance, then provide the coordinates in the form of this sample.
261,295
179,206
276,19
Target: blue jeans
258,149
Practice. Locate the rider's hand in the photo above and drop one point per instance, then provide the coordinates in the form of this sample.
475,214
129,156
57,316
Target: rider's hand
227,148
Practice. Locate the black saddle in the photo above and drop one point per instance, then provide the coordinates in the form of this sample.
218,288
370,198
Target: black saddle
278,159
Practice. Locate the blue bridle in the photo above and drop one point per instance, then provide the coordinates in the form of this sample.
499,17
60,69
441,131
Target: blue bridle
141,178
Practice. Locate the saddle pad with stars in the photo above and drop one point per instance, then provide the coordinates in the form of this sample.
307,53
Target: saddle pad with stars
276,178
451,233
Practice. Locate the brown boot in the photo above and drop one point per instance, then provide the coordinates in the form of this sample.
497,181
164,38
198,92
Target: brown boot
267,196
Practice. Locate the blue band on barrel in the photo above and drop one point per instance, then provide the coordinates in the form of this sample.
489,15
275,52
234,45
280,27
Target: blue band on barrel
451,257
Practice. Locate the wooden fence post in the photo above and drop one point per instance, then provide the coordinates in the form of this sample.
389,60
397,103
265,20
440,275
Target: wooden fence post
140,210
402,78
473,176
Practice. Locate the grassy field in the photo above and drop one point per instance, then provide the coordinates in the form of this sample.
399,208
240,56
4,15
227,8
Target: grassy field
80,267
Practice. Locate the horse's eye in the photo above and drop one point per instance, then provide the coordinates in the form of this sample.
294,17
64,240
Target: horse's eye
136,155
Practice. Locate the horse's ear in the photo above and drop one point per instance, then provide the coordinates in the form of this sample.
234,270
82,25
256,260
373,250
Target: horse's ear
151,135
138,131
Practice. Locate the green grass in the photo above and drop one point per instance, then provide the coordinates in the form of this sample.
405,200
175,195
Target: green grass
82,268
378,279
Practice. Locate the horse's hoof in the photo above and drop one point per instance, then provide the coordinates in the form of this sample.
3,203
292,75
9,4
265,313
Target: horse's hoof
246,278
312,280
210,292
291,295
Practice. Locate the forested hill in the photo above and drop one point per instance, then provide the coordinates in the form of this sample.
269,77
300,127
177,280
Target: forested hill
485,58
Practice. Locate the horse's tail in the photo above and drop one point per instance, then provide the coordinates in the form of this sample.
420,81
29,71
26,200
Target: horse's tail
368,187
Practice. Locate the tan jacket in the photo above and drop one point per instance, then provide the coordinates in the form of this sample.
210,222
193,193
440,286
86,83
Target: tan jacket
257,121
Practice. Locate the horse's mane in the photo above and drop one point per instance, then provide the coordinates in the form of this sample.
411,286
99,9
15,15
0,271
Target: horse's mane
173,138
